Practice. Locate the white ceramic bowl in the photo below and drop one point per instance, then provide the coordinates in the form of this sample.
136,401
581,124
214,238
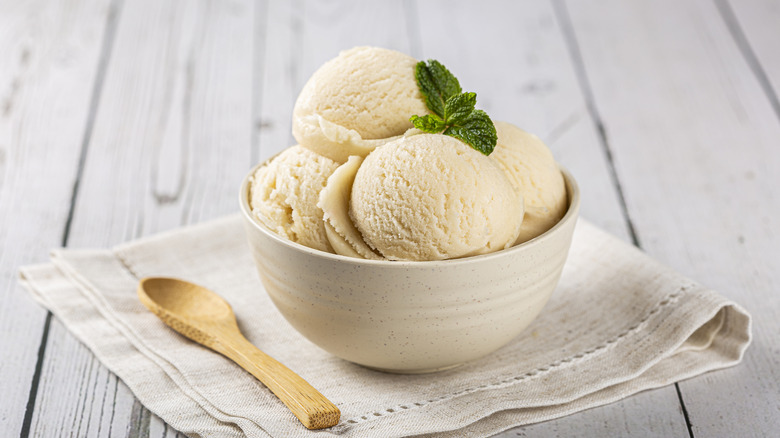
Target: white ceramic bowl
411,317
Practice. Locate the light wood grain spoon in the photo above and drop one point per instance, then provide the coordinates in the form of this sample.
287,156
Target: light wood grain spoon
207,319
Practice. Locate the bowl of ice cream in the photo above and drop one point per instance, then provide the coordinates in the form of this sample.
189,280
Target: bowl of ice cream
406,250
410,316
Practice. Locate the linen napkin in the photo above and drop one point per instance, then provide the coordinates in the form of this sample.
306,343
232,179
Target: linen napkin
617,324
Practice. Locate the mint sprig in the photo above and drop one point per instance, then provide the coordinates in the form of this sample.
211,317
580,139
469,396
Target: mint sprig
436,84
454,111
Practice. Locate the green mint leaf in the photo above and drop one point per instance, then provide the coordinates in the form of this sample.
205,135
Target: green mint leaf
459,107
454,112
429,123
477,130
436,84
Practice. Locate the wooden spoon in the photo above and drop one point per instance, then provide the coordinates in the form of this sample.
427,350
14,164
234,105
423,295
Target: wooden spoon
207,319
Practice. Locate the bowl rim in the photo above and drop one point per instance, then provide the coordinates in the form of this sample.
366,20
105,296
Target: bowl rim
572,191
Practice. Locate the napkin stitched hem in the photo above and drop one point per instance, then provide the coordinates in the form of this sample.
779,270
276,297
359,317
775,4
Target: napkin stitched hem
537,372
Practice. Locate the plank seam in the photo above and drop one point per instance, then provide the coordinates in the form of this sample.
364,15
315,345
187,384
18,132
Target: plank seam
567,28
743,44
413,28
113,408
684,409
85,372
259,41
103,403
297,24
28,412
105,52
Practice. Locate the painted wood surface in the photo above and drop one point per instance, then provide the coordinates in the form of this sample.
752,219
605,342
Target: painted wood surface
697,153
753,25
136,117
169,146
47,80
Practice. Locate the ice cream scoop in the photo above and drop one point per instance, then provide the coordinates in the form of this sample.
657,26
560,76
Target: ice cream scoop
357,101
432,197
284,195
334,202
532,170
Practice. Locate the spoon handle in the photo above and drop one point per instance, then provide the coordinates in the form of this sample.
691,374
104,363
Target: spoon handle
312,408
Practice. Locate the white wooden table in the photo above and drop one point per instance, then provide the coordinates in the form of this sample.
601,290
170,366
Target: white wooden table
119,119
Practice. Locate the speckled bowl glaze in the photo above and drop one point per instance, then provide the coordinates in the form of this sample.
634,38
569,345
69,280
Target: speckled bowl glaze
411,317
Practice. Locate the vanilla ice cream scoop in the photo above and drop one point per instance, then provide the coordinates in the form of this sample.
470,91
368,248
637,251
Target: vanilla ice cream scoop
334,202
357,101
432,197
284,194
532,170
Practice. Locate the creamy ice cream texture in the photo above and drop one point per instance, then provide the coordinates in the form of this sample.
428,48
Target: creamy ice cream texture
334,201
363,184
532,170
357,101
419,197
432,197
284,194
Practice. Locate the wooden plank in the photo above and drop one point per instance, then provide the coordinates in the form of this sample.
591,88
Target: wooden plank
278,80
171,142
99,391
529,79
50,59
695,144
754,26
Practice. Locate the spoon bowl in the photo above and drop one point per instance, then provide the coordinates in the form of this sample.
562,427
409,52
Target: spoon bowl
206,318
185,299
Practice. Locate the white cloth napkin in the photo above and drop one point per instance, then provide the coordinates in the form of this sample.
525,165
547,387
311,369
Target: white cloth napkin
618,323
